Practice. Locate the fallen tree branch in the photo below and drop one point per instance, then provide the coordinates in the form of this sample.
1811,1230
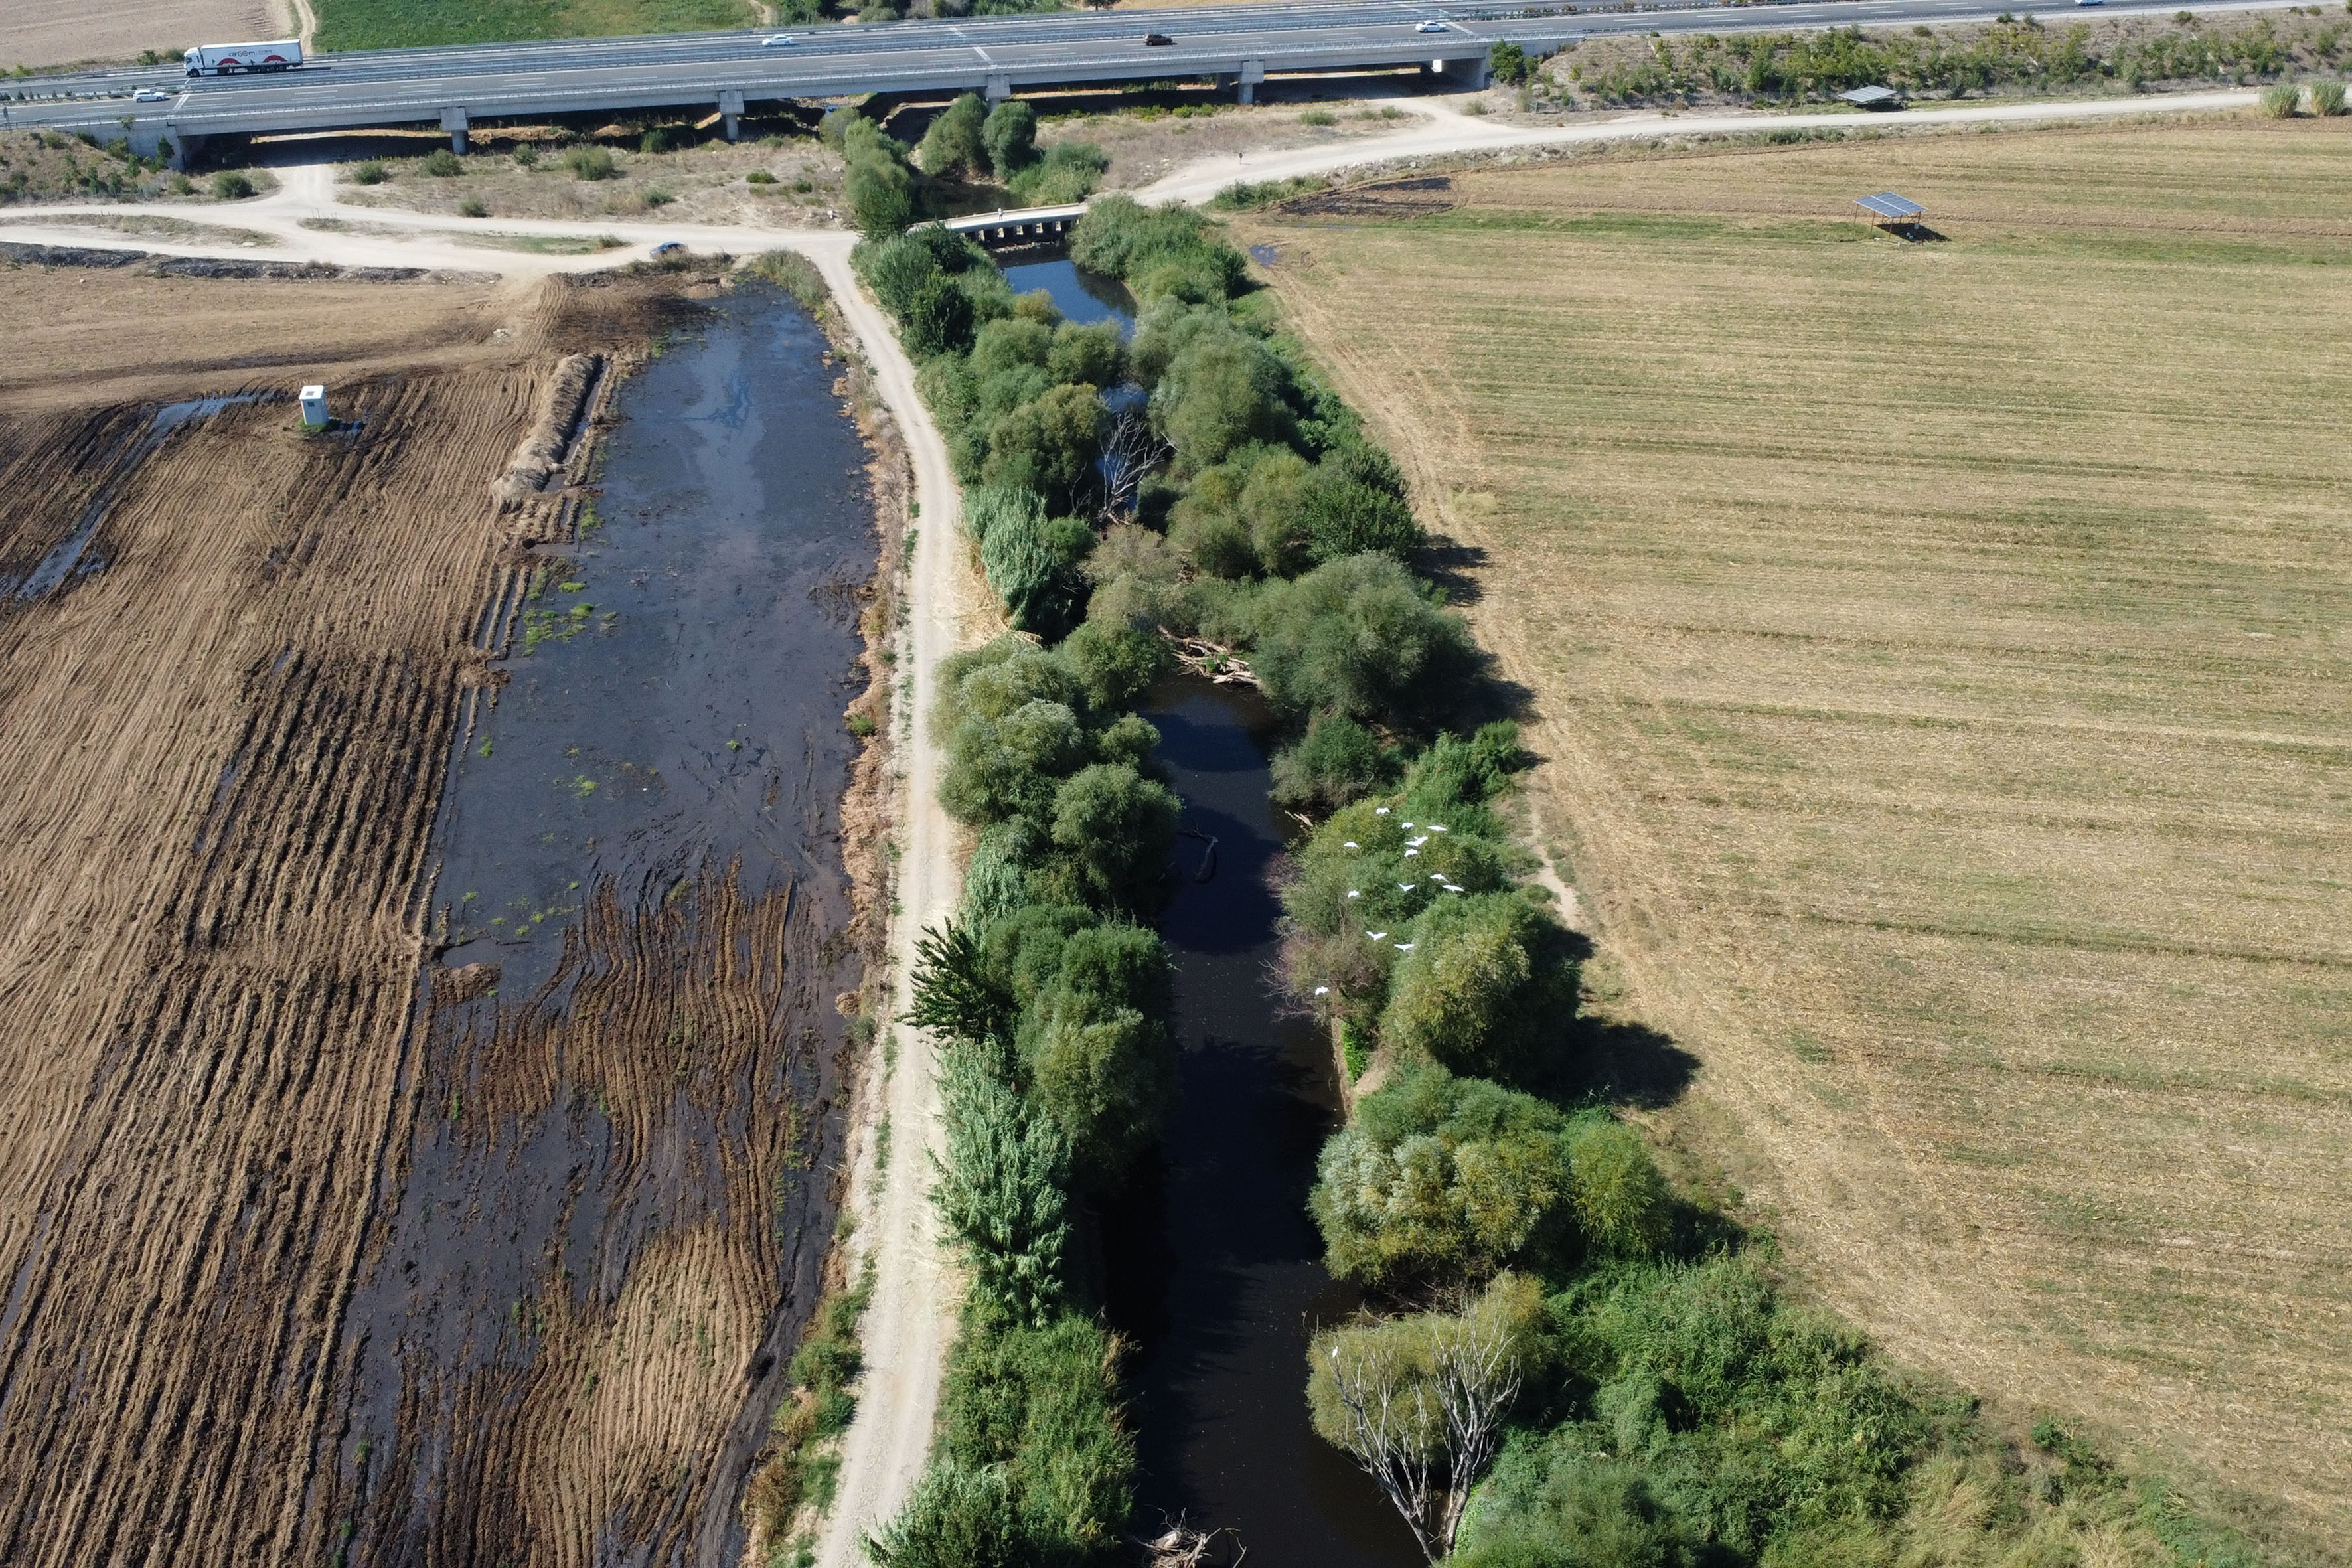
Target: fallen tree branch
1220,664
1179,1545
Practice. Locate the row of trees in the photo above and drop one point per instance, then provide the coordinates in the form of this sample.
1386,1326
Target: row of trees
886,185
1057,1070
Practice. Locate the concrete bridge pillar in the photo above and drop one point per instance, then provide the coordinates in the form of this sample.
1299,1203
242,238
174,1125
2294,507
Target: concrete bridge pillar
452,120
186,149
998,89
1252,73
731,111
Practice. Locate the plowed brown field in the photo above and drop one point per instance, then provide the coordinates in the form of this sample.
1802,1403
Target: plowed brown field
226,1051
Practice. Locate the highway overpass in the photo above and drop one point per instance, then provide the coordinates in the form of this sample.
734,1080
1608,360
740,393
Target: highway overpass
1235,46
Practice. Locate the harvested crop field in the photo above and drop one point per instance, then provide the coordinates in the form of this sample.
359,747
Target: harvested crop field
38,36
234,660
1939,656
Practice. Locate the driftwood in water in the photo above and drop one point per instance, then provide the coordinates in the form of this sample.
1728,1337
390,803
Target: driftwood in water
1179,1545
1220,664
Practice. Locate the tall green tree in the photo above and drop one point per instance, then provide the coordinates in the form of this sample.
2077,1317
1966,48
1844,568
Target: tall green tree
1009,135
952,144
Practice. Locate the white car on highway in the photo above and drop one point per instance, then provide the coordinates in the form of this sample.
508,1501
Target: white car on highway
149,95
1431,25
778,41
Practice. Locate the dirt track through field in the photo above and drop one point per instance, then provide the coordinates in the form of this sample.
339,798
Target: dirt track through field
226,735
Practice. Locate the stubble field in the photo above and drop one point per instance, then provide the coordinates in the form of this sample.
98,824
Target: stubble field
47,36
1941,664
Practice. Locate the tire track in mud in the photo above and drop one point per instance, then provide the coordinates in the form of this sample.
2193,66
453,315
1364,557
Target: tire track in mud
224,750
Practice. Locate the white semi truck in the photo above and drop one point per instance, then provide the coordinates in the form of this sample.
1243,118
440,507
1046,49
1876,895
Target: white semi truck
233,59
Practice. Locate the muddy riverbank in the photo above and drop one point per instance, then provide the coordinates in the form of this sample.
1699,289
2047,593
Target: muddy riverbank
612,1213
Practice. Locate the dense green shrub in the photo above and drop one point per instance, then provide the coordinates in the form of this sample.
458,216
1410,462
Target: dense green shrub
878,186
2281,100
1096,1047
1069,172
232,185
1755,1421
1115,664
1031,561
1048,444
952,144
442,163
1441,1178
1360,637
1489,987
1000,1192
959,1516
1040,1406
1114,829
1159,252
1337,760
590,163
1010,136
1013,765
1218,392
370,172
1590,1512
1621,1202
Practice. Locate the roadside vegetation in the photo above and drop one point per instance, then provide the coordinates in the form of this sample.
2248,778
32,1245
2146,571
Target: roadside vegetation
2019,53
52,167
1806,750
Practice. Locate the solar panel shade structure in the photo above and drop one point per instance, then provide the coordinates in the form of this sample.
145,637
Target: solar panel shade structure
1889,205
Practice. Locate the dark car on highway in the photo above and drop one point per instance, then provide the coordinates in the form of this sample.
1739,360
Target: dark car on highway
1157,40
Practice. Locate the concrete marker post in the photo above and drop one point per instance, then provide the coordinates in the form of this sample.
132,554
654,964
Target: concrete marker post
452,120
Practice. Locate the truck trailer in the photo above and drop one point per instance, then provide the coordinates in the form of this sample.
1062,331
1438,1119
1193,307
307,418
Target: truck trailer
235,59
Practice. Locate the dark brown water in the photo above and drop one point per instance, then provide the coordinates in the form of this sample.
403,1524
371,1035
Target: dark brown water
1216,1269
644,835
688,660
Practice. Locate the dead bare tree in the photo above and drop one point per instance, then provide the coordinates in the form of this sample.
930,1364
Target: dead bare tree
1388,1428
1130,450
1474,1364
1424,1420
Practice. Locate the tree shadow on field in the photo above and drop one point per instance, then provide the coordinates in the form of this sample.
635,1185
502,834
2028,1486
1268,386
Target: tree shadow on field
1613,1063
1452,565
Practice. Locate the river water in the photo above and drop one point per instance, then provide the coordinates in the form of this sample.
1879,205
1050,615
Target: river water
1213,1267
1216,1271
